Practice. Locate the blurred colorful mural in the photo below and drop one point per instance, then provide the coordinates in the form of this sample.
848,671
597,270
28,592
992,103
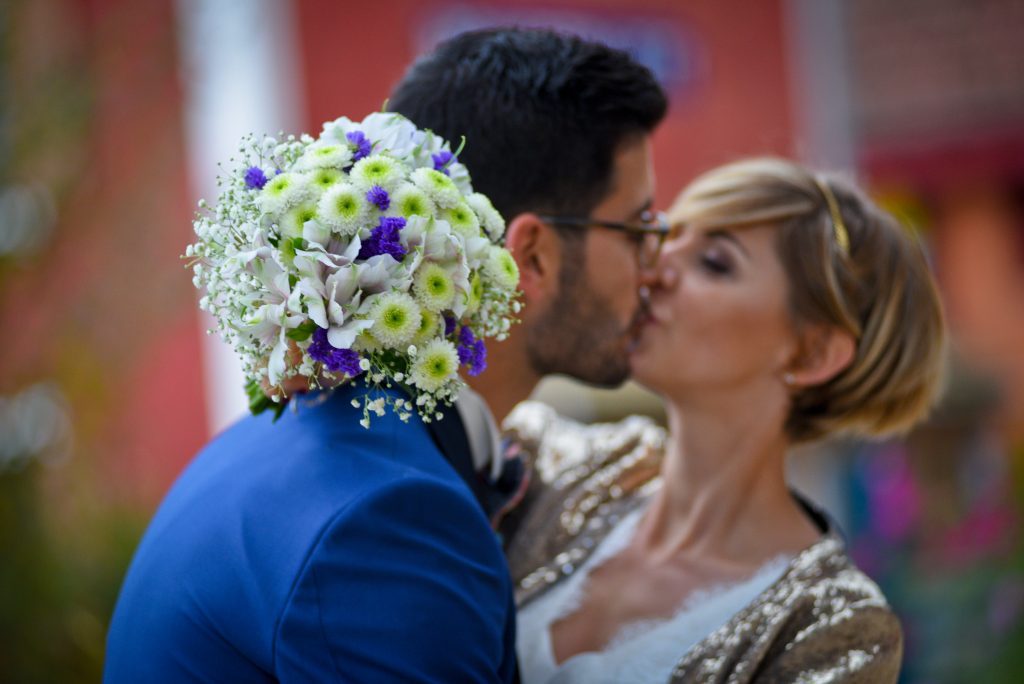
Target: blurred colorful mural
113,116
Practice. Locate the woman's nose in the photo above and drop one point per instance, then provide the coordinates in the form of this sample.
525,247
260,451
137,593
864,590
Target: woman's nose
661,275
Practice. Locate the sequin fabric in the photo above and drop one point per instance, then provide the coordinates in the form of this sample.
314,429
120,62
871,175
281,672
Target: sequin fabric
822,621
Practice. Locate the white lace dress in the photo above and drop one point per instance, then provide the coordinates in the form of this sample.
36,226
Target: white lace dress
644,651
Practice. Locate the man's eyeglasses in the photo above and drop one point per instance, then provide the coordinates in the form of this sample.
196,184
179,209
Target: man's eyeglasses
649,233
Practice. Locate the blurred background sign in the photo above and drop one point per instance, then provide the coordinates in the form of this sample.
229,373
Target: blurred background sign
658,39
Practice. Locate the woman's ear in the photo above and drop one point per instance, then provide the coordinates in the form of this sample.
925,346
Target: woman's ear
826,351
537,251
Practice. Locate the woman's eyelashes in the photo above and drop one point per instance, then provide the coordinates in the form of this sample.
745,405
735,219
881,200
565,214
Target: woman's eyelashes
716,262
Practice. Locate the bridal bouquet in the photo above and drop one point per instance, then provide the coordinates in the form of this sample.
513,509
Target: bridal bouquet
360,256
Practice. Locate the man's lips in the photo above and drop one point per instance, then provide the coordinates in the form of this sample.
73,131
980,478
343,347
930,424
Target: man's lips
643,317
644,314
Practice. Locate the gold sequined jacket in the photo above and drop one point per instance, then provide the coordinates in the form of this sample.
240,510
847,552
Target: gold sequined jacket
822,621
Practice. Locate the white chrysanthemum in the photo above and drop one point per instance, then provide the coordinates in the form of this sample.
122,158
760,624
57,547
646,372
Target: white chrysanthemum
491,220
396,318
377,169
408,200
501,268
438,187
462,220
435,364
294,219
326,156
366,343
344,208
430,322
281,192
324,179
434,288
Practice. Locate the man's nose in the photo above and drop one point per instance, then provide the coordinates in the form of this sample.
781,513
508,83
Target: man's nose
660,275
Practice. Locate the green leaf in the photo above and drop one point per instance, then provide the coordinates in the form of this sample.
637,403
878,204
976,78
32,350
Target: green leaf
287,248
462,145
302,332
260,402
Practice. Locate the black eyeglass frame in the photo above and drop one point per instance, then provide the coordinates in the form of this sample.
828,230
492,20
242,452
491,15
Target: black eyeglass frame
651,223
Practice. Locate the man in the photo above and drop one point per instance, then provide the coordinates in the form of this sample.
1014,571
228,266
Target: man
558,136
315,550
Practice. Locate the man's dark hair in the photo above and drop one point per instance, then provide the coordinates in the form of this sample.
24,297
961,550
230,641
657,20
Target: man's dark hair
543,113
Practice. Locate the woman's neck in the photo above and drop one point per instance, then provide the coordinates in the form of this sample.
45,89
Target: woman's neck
724,497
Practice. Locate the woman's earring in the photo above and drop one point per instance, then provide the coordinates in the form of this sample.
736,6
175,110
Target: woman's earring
788,379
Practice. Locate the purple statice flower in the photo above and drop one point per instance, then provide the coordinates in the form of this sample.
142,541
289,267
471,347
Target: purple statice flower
335,360
255,178
379,196
449,325
358,138
384,239
472,352
441,160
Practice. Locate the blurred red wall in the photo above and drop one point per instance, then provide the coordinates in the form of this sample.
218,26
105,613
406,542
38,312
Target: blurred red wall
735,104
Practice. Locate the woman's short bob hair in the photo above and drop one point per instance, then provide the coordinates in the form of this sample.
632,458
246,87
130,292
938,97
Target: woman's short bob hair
877,288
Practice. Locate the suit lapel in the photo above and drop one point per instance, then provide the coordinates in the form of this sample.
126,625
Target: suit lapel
450,436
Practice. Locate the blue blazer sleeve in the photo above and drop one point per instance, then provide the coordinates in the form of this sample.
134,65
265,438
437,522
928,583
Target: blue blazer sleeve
407,584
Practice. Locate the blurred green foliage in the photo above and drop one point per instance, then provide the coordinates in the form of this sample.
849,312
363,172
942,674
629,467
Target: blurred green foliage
59,579
64,546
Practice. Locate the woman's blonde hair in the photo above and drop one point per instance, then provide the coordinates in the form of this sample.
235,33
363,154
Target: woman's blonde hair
863,274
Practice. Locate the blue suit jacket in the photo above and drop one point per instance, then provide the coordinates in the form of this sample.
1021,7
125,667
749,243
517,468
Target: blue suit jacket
313,550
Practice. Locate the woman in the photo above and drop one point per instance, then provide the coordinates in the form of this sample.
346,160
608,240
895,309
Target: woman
785,308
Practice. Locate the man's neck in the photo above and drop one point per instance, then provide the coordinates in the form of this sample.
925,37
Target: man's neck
508,380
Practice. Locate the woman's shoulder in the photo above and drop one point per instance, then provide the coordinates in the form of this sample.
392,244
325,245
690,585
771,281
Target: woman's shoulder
562,450
582,479
824,618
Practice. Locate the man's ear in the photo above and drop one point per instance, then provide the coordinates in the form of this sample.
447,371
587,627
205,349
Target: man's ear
826,351
538,251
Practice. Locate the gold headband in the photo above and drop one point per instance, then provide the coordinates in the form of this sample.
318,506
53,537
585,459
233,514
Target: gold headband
838,227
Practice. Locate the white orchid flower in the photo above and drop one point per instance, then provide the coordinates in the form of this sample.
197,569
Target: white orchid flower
316,233
276,366
311,263
439,243
460,176
245,258
338,252
337,130
270,324
343,293
344,336
382,273
459,272
391,132
307,297
477,249
414,232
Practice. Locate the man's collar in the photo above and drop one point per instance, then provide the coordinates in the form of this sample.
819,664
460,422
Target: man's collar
481,432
